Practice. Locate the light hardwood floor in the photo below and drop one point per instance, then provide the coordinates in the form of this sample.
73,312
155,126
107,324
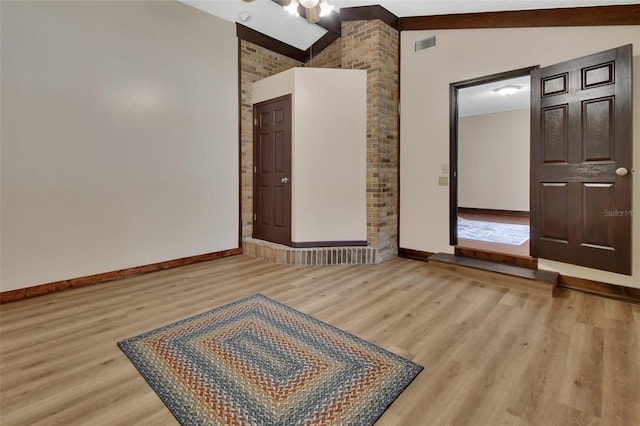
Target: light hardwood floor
492,356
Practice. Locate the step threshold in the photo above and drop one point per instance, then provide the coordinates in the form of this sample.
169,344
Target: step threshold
538,275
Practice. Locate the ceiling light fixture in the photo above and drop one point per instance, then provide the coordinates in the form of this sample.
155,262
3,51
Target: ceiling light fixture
244,16
325,8
507,90
292,8
314,9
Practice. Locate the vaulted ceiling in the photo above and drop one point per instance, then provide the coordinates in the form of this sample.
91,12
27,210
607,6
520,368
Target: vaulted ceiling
266,23
269,18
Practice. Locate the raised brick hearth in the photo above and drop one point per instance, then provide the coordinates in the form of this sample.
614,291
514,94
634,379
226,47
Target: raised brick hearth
315,256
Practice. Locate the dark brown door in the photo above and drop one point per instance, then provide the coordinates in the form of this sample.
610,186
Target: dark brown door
272,170
581,161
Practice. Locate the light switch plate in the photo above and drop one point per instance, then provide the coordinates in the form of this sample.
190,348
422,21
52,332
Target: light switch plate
443,180
444,169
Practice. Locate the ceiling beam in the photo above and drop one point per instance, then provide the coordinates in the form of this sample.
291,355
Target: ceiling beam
332,23
369,13
562,17
322,44
574,16
256,37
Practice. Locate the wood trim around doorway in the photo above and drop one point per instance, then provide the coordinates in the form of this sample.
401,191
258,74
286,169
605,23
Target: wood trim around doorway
453,138
473,210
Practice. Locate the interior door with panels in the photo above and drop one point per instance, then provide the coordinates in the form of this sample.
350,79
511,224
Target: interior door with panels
272,170
581,161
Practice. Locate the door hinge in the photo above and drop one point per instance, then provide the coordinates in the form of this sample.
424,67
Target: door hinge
255,169
255,121
255,216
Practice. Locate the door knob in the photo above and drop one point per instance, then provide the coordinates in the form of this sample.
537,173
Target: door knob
284,180
622,171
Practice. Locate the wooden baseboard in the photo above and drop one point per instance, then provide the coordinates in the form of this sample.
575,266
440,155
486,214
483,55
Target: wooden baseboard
612,291
39,290
617,292
493,211
414,254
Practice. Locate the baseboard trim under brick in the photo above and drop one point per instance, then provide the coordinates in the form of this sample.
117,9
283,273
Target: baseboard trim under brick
313,256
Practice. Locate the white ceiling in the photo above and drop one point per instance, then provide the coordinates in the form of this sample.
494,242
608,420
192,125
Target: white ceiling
270,19
266,17
482,99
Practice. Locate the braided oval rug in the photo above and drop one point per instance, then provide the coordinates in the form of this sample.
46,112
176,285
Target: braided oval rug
258,362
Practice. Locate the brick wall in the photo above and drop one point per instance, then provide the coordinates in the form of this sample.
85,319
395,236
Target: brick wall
256,63
373,46
330,57
369,45
317,256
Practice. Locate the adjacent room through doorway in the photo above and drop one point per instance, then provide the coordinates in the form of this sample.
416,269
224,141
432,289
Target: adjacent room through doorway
492,130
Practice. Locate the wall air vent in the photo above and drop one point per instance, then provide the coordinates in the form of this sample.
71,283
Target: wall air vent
425,43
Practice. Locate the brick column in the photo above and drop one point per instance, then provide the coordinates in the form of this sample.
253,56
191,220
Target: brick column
373,46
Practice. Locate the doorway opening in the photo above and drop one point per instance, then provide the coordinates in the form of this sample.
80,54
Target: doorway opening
490,145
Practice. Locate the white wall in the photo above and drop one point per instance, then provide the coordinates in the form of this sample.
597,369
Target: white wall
465,54
329,150
119,137
493,161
